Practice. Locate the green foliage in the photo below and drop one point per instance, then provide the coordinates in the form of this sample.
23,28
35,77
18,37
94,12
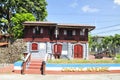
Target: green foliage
109,42
17,20
90,40
36,7
8,8
4,20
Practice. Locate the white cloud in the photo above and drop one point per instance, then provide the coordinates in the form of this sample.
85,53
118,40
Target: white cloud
74,4
117,2
87,8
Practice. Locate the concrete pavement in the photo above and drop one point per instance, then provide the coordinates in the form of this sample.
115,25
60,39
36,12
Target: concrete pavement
60,77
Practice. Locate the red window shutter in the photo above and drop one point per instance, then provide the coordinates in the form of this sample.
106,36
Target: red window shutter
34,46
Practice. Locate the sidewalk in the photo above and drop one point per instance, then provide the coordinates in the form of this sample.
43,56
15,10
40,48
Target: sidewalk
60,77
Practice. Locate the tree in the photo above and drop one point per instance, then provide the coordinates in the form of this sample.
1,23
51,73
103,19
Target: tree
17,21
36,7
8,8
90,40
111,43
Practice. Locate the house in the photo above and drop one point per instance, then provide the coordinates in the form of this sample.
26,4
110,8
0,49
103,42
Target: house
60,40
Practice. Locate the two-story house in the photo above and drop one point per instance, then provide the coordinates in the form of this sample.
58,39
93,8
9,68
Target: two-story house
60,40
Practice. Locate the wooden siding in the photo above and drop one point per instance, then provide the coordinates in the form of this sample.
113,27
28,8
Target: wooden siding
48,35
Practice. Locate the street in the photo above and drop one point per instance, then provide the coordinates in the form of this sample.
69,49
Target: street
60,77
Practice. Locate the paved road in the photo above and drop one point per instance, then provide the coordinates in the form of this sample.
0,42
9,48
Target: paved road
60,77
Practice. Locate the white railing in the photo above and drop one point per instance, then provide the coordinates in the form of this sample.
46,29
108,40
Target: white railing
46,57
27,57
25,62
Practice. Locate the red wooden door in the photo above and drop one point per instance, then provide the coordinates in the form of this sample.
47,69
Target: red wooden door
78,51
57,48
34,46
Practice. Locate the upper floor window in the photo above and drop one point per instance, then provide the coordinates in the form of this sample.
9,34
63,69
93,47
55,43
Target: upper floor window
82,31
56,32
73,32
69,33
65,32
37,30
41,30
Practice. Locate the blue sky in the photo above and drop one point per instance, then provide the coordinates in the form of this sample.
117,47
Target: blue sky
104,14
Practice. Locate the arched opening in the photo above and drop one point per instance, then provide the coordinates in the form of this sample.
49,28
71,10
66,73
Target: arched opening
34,46
57,50
78,51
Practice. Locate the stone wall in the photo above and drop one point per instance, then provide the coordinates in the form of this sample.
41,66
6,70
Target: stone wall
13,52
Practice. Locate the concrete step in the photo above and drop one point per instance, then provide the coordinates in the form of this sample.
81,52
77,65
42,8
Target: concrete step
33,71
35,64
34,67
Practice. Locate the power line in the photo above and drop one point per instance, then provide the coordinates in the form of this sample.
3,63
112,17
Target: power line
108,26
107,31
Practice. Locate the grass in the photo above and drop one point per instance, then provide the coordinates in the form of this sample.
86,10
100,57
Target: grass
83,61
118,56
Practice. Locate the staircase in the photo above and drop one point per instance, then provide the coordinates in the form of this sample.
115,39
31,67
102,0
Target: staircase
34,67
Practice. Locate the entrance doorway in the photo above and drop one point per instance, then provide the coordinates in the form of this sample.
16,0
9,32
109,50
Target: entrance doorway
78,51
57,50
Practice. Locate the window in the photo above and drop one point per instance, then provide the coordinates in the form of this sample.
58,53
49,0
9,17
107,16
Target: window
33,30
73,32
65,32
37,30
41,30
69,33
82,31
34,47
56,31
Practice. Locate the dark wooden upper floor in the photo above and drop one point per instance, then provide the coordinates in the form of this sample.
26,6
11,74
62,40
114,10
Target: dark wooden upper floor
46,31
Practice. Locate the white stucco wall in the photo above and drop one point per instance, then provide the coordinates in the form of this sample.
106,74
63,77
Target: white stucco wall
47,48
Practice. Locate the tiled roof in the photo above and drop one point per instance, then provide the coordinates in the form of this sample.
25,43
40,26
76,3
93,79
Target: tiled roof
34,23
75,26
40,23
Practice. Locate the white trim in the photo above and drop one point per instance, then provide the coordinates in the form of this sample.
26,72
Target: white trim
85,56
83,69
17,68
